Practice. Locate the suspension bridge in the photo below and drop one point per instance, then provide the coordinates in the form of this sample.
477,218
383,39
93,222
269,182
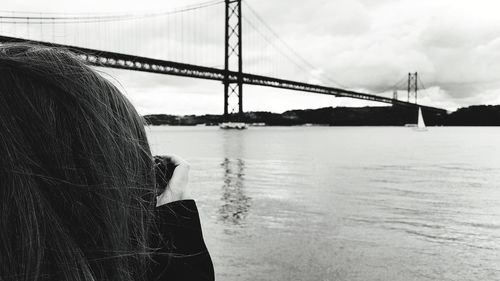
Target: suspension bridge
186,42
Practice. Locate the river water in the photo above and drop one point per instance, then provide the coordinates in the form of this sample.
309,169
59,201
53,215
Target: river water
345,203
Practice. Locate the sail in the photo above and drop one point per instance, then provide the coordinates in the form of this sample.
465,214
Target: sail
421,123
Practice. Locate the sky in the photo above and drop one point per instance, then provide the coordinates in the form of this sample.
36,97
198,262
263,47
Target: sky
365,45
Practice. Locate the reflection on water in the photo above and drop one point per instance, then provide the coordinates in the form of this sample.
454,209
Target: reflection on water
235,203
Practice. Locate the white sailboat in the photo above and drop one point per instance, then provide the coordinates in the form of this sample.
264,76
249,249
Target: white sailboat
421,123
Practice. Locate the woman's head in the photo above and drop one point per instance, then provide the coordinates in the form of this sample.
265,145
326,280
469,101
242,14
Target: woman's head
76,173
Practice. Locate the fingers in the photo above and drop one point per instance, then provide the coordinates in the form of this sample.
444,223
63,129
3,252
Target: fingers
177,185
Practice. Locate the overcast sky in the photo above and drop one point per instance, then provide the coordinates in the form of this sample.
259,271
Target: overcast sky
366,45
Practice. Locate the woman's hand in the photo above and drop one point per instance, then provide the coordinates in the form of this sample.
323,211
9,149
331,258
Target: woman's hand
177,186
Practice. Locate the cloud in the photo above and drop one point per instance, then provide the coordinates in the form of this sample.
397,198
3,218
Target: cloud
357,44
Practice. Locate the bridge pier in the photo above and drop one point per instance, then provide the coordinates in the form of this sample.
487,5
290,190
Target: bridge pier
413,86
233,58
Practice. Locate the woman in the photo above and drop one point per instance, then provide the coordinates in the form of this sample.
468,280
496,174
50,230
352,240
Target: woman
79,194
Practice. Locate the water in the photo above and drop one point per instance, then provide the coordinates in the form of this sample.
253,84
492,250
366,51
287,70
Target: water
345,203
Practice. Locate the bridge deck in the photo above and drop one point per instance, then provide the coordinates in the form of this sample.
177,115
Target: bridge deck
130,62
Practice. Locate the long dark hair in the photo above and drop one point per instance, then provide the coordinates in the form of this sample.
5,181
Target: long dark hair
76,172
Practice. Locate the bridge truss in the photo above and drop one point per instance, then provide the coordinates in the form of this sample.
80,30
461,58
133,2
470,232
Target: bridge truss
129,62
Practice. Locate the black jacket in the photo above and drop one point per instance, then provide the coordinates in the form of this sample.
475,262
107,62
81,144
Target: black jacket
182,254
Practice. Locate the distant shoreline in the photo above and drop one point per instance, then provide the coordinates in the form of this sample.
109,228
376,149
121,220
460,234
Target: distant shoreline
478,115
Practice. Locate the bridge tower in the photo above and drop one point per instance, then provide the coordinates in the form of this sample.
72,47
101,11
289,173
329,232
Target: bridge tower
413,85
233,59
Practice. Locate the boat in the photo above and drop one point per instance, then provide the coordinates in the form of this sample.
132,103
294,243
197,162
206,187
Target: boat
421,124
233,125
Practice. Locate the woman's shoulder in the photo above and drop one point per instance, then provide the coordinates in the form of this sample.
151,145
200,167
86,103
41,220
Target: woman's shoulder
181,251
